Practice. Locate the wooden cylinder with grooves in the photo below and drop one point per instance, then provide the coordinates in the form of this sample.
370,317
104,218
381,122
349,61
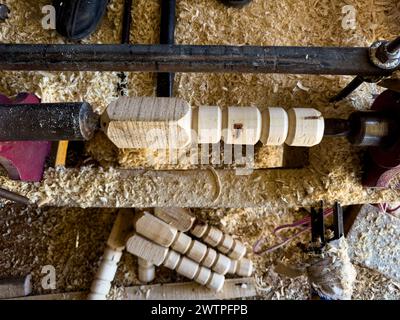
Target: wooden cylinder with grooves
210,258
155,229
306,127
179,218
213,237
197,251
275,126
244,267
226,244
148,122
222,264
241,125
207,122
182,243
146,271
238,251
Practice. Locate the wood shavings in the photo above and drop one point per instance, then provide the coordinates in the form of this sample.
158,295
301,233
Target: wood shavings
218,184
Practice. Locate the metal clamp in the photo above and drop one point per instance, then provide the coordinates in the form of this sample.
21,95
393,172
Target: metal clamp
382,57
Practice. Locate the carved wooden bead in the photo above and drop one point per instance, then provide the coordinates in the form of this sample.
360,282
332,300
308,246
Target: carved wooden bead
182,243
226,244
172,260
238,251
187,268
241,125
244,268
306,127
199,230
197,251
210,258
213,237
275,126
222,264
207,122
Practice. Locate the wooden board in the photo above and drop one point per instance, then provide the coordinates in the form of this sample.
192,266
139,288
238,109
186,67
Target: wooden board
233,289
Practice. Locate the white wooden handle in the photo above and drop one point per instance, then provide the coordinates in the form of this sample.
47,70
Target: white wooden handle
105,275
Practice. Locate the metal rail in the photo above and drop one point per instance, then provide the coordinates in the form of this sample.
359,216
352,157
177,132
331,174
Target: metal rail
189,58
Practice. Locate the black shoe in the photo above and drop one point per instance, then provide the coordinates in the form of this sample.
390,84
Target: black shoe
235,3
77,19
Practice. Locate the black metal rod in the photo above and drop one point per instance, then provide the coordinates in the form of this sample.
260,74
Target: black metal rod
188,58
336,127
347,90
165,81
338,228
126,22
317,226
47,122
12,196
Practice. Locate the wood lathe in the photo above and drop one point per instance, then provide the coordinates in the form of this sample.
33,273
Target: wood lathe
171,123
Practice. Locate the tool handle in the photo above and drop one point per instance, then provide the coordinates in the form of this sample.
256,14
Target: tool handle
47,122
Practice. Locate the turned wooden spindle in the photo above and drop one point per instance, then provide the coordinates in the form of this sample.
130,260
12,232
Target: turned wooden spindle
115,245
214,237
183,220
146,271
163,123
166,235
159,255
180,218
